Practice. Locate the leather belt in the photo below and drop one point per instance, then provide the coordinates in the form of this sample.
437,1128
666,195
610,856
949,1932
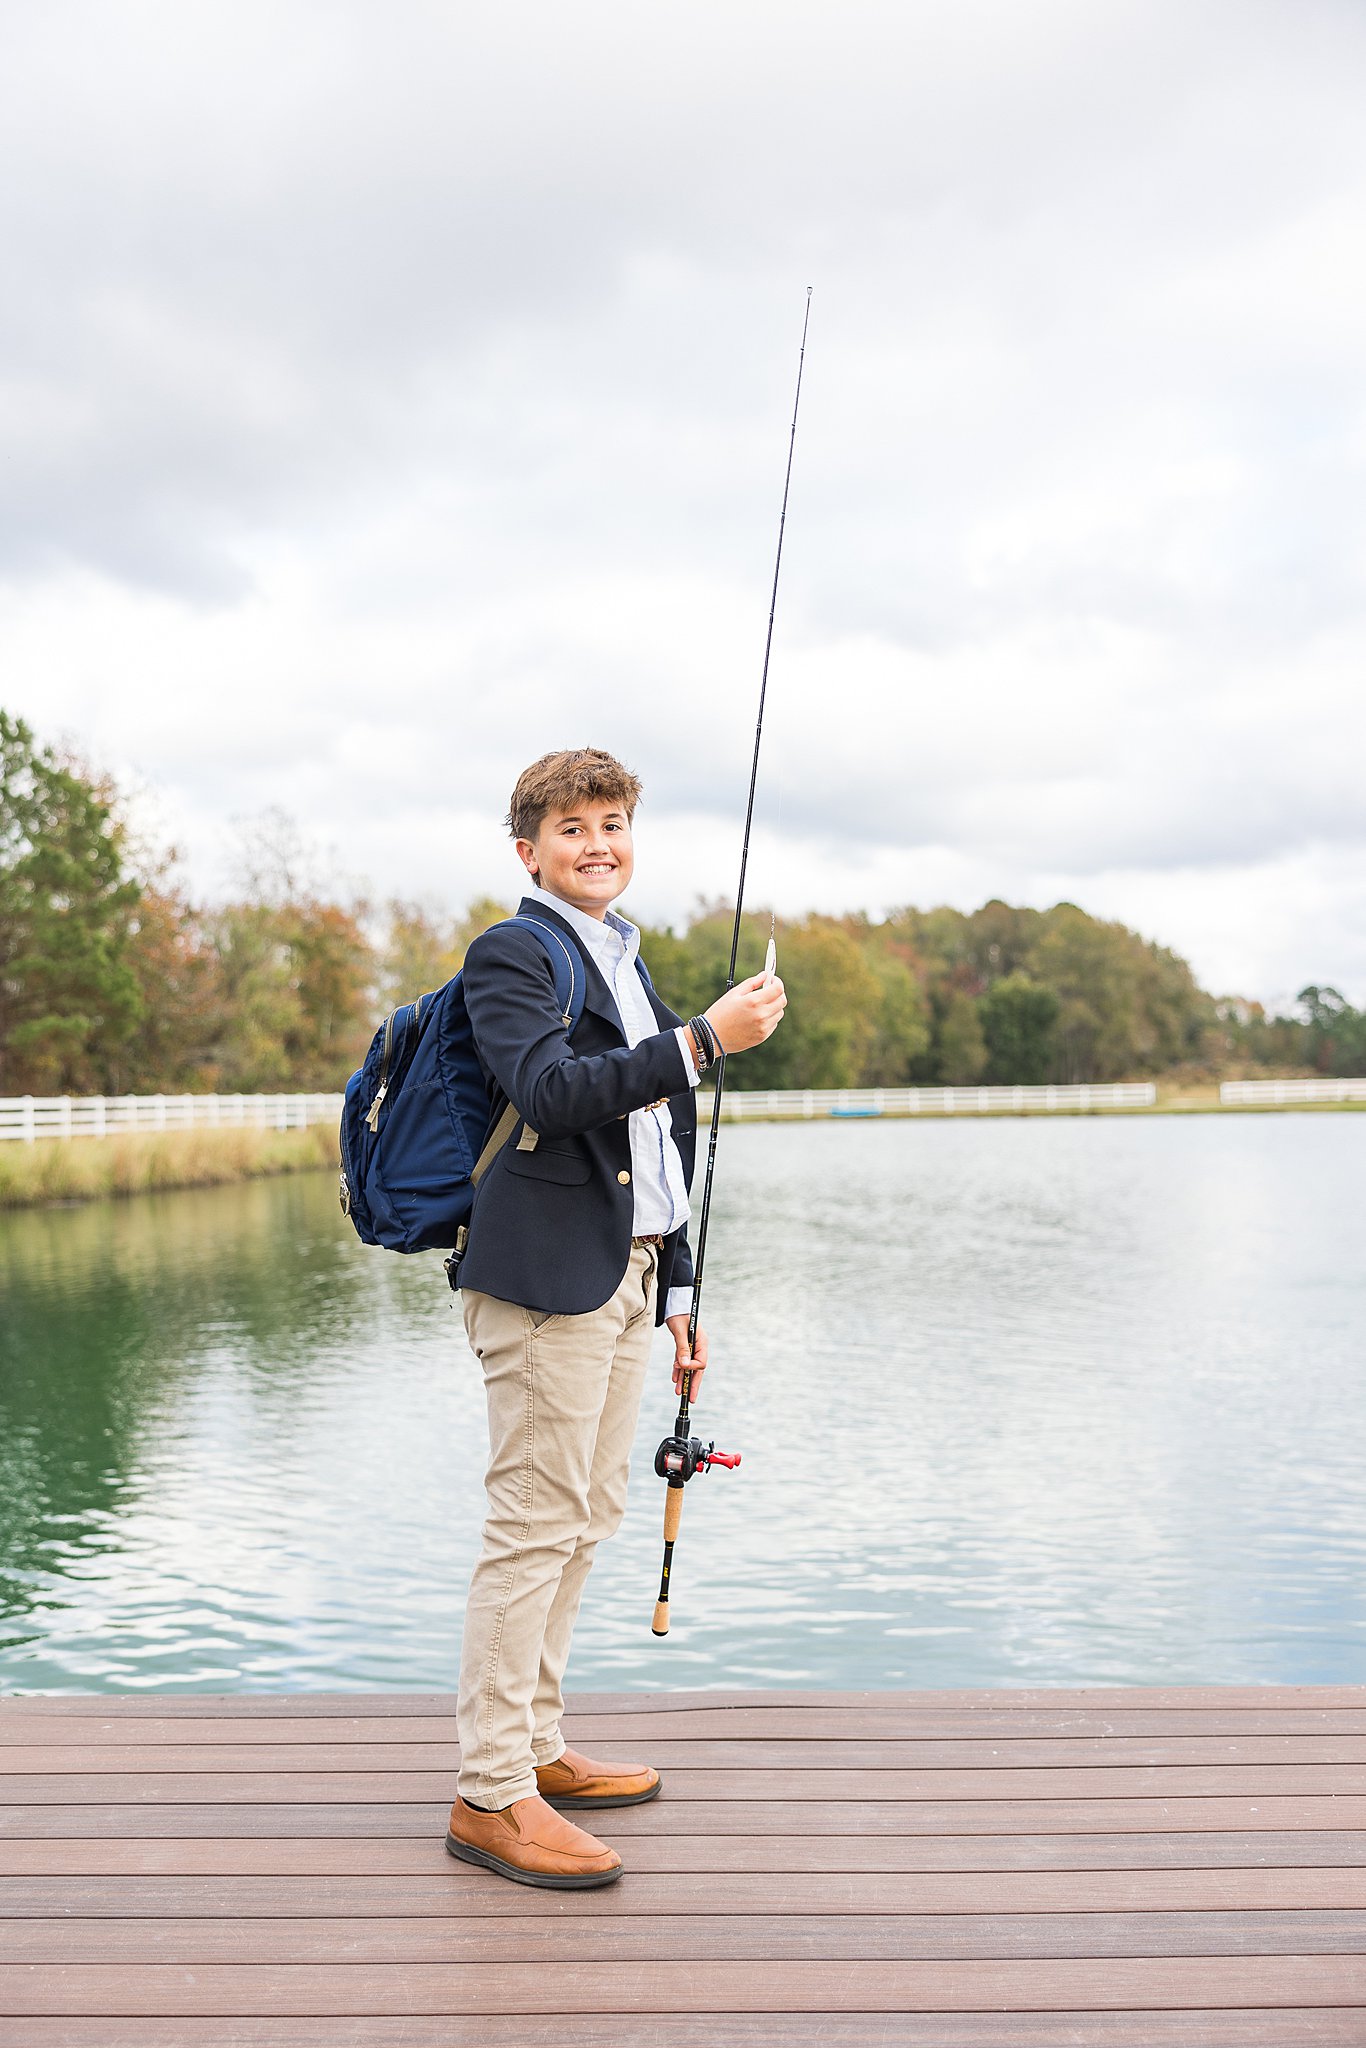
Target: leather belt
657,1238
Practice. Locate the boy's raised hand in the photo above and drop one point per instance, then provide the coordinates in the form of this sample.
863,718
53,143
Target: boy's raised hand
748,1013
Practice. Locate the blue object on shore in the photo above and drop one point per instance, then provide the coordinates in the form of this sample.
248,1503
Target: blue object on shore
856,1112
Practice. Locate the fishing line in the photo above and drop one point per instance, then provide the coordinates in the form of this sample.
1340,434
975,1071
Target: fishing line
679,1456
770,956
700,1252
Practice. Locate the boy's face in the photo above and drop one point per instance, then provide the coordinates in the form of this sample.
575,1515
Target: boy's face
584,855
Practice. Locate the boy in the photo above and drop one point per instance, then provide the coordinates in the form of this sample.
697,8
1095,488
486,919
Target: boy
578,1233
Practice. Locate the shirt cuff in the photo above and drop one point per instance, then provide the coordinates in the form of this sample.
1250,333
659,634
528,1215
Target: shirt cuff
680,1033
677,1302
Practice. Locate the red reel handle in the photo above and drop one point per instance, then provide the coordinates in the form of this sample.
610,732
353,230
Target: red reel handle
730,1458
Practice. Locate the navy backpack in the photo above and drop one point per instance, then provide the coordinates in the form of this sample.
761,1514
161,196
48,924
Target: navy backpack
415,1136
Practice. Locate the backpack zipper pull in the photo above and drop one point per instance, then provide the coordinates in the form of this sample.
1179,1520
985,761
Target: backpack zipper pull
372,1114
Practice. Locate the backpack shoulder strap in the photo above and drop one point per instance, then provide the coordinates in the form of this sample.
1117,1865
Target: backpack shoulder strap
497,1138
566,964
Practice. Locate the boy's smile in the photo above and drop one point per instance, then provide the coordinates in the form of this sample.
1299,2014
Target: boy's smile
584,856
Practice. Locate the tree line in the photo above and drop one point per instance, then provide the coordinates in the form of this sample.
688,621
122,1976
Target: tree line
113,981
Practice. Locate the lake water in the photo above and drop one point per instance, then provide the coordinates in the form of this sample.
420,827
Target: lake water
1021,1403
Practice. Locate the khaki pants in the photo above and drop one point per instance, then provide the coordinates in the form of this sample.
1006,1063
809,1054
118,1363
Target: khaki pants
563,1398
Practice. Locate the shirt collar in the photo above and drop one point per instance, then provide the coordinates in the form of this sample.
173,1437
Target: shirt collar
593,930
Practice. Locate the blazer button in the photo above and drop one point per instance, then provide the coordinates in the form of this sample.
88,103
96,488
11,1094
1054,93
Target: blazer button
623,1176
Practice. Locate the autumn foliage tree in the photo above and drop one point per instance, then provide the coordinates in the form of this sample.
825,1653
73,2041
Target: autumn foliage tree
113,980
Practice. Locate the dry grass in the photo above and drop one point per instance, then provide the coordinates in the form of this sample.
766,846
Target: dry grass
1187,1094
133,1163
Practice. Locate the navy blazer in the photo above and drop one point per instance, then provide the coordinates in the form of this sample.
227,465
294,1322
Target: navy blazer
552,1227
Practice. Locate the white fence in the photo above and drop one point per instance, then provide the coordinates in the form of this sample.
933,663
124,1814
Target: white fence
809,1102
1233,1093
98,1116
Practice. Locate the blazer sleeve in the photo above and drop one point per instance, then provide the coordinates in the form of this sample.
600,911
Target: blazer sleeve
509,990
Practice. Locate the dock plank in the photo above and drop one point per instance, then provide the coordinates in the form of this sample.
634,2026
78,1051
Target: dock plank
1214,1699
76,1857
1157,1982
807,1724
688,1783
783,1934
448,1890
711,1754
1249,2027
721,1817
455,1893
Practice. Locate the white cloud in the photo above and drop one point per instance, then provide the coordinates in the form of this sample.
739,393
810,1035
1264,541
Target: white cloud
383,403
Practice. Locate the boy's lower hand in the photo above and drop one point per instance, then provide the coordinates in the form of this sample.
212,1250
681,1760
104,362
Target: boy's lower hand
697,1364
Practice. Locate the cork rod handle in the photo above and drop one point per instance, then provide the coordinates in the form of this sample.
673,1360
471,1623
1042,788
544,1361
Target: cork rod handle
673,1515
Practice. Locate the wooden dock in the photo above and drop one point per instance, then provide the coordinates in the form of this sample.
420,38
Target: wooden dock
1007,1869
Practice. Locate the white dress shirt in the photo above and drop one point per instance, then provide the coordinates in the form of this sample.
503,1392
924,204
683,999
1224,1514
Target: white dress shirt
661,1192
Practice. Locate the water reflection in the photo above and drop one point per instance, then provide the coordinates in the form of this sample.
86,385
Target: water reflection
1072,1402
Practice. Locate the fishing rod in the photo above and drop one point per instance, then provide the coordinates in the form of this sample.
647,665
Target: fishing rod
682,1454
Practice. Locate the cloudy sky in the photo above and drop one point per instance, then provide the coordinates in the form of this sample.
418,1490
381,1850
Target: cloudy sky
388,394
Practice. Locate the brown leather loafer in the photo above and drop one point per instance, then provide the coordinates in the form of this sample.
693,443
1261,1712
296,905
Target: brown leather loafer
529,1843
575,1783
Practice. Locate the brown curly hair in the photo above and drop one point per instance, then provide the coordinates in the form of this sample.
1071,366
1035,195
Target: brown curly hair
564,780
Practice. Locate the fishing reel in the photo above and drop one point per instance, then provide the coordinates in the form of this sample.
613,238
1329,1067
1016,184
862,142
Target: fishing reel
678,1457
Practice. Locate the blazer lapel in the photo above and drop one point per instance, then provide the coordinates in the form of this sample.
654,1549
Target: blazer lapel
666,1018
597,996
